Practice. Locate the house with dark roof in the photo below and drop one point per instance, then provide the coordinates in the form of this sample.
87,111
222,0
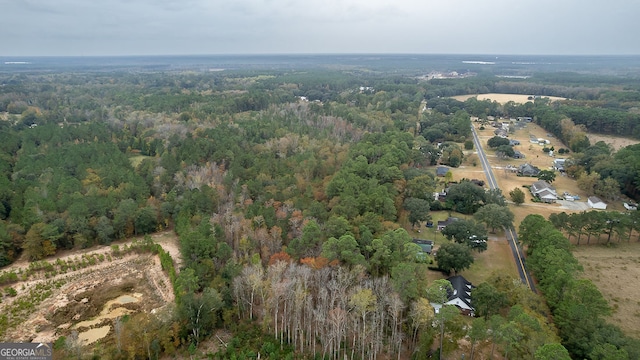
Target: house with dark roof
460,296
544,191
558,164
443,223
442,171
518,155
528,170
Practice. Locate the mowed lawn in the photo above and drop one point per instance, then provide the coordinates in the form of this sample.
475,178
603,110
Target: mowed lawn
615,271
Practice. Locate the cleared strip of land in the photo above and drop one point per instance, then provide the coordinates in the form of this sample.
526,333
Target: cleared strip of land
504,98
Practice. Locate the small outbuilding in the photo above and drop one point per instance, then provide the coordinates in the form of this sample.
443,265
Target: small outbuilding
594,202
425,245
442,171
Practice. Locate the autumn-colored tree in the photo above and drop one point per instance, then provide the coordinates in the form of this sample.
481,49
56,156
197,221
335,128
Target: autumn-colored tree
280,256
39,241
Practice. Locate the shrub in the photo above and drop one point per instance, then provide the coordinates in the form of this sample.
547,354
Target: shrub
468,145
10,291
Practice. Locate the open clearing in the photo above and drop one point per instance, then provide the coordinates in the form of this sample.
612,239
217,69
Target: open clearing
615,270
504,98
616,142
98,285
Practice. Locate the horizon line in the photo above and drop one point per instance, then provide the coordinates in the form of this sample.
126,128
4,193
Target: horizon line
497,55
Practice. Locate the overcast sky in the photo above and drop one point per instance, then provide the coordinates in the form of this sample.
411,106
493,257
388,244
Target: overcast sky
168,27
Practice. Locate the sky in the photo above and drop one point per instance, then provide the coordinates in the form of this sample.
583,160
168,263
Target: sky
194,27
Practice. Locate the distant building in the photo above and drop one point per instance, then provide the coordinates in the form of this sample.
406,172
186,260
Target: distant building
518,155
514,142
594,202
440,196
544,191
425,245
501,132
443,224
558,164
442,171
528,170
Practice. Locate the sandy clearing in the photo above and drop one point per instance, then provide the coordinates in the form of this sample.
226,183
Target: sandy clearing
144,267
503,98
616,142
167,239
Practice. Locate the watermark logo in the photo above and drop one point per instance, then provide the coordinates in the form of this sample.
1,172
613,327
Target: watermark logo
26,351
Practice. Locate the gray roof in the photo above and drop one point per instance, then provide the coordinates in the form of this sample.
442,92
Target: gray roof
595,199
447,222
442,170
529,169
541,185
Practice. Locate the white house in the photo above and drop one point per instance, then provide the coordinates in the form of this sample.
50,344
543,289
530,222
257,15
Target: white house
595,203
544,191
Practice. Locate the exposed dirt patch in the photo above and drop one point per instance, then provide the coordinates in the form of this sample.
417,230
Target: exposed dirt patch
81,294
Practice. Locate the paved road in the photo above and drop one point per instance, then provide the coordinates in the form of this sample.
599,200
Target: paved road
512,236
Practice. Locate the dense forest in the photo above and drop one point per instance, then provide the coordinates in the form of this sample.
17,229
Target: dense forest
289,191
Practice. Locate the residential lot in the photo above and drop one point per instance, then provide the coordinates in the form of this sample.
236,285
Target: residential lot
508,180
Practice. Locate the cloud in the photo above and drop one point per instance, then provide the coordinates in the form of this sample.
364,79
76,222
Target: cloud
118,27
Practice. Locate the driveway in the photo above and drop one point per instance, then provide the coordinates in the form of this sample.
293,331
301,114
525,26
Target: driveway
573,205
